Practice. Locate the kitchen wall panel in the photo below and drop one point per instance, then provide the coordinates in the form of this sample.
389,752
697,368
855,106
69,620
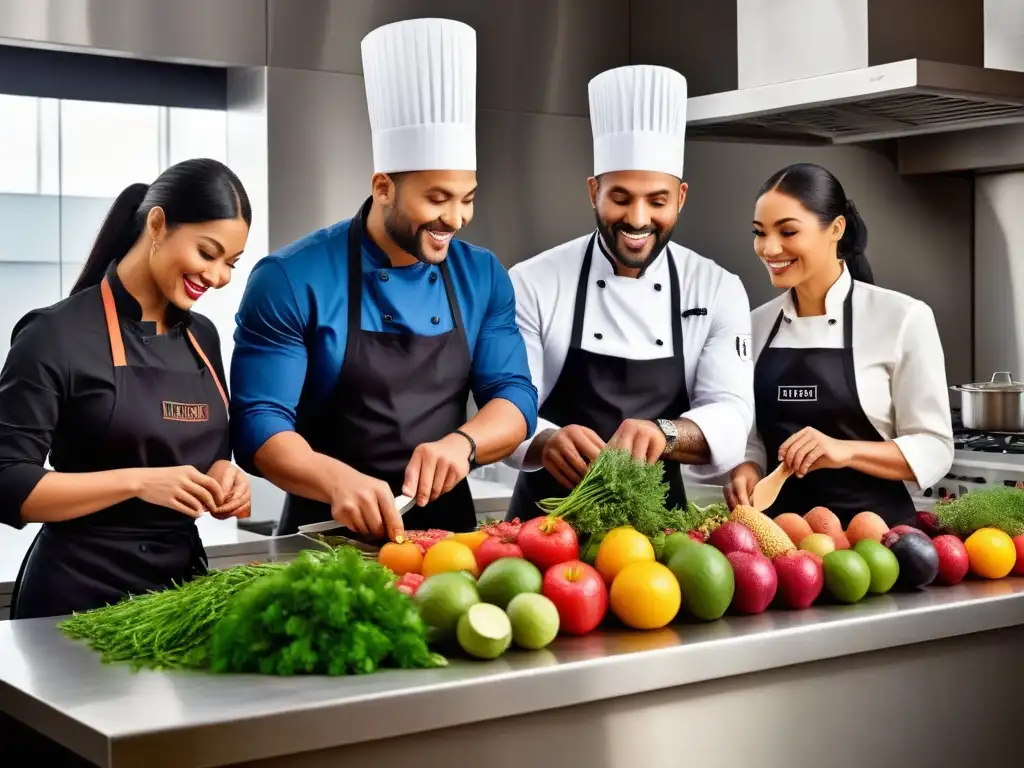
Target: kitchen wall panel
920,237
228,32
999,276
533,55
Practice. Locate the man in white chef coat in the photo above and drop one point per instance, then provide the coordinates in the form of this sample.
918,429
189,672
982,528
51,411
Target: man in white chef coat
632,340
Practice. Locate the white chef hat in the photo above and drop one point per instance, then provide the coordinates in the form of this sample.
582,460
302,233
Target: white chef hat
638,117
420,80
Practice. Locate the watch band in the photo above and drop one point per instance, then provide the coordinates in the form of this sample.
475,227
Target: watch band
472,446
668,429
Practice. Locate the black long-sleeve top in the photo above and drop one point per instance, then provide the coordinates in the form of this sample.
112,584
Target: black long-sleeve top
57,384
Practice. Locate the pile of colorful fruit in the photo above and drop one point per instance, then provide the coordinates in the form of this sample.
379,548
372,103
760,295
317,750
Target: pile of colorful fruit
526,583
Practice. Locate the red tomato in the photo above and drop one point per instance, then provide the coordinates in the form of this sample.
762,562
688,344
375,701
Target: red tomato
548,541
579,594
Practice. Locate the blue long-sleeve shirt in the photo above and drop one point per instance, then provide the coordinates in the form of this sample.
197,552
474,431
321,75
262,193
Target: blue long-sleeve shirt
292,325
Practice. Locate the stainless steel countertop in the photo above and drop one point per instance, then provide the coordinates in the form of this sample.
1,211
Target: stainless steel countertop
115,717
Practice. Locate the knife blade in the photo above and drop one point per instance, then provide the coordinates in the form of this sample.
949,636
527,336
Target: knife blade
404,504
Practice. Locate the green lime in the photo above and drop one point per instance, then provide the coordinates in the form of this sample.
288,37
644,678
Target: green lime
534,620
442,599
484,631
507,577
882,562
847,575
673,543
705,578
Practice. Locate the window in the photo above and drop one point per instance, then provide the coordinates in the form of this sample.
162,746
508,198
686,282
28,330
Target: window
62,163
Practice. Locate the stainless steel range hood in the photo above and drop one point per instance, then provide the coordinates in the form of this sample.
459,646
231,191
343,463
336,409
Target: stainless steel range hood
844,71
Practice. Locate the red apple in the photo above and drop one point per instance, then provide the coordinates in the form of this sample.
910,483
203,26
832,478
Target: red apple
1018,567
801,578
953,560
579,594
756,582
548,541
733,536
494,548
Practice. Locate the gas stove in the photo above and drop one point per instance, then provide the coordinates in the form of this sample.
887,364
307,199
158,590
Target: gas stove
980,460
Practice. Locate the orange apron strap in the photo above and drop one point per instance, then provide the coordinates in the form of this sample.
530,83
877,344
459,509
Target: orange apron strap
206,361
113,326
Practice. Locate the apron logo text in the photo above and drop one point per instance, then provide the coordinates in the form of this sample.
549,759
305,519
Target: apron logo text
193,412
798,394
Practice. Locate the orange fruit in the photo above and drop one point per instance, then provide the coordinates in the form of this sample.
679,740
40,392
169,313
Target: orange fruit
621,547
991,553
473,539
449,555
645,595
401,557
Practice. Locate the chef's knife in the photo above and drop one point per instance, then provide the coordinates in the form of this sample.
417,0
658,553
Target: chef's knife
404,504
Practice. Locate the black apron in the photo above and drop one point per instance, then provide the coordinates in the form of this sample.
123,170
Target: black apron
600,392
800,387
395,392
161,418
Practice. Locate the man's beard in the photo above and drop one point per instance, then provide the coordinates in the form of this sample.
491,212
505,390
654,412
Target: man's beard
610,236
410,238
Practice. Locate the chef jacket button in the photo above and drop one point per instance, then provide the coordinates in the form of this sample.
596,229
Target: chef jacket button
832,321
598,336
435,319
388,318
384,277
659,342
433,277
146,340
787,319
600,283
657,286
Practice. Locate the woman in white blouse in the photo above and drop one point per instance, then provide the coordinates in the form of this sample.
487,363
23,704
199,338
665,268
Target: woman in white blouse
849,380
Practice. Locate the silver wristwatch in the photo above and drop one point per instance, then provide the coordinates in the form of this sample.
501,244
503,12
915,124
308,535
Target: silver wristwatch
668,429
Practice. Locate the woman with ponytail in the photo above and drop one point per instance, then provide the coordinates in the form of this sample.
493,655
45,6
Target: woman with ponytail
121,386
849,379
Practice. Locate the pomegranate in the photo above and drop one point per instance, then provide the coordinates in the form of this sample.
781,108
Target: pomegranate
495,548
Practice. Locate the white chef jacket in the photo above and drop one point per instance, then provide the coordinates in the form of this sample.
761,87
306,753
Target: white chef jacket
631,317
899,365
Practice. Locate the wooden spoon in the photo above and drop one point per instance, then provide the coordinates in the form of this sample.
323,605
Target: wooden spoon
767,489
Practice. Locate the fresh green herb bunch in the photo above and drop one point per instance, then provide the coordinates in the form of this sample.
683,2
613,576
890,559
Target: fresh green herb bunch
327,613
997,507
168,629
617,490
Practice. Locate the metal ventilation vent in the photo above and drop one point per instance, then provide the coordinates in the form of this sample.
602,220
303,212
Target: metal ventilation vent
902,99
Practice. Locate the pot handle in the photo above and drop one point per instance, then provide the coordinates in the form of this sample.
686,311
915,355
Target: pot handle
1002,377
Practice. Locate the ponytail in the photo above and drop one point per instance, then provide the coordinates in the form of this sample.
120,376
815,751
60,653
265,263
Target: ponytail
853,244
118,233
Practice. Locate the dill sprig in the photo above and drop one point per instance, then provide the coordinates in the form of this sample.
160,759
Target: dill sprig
169,629
998,507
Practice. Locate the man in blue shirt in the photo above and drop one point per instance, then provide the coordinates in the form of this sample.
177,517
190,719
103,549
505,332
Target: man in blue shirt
358,345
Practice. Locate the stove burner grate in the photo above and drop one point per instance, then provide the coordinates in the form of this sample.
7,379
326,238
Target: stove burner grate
988,442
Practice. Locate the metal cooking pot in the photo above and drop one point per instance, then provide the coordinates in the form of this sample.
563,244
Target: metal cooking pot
993,406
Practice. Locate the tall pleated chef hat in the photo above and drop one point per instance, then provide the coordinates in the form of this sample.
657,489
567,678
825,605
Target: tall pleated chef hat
638,117
421,92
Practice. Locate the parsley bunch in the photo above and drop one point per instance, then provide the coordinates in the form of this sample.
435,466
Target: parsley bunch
332,614
617,490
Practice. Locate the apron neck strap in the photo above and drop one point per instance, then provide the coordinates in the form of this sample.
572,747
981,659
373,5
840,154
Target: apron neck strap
355,274
117,341
580,307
